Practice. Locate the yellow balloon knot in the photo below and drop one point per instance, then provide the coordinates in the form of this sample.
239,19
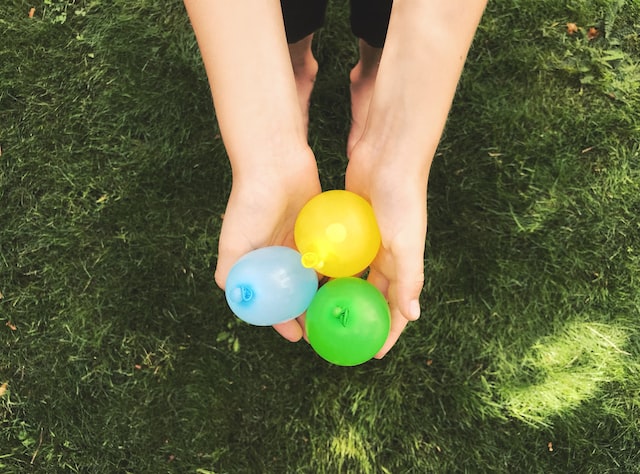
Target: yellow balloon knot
311,260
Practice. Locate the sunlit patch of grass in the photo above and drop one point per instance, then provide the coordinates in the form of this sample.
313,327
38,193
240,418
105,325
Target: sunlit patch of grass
565,369
350,447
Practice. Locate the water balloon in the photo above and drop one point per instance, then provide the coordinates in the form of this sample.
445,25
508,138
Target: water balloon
348,321
269,286
337,234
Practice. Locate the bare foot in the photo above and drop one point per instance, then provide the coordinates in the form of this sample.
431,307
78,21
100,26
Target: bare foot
363,79
305,69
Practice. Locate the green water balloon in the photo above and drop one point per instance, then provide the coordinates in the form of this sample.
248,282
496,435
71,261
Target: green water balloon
348,321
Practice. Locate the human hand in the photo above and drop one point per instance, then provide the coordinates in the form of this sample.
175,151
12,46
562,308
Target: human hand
261,211
399,200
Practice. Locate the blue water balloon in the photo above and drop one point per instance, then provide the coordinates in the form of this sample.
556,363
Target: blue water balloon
269,286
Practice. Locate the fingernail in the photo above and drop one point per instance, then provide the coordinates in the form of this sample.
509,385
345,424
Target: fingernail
414,309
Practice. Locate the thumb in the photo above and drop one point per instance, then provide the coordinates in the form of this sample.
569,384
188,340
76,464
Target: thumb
406,293
231,246
229,252
223,266
405,288
291,330
404,302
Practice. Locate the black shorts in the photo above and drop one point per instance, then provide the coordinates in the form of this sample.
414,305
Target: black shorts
369,19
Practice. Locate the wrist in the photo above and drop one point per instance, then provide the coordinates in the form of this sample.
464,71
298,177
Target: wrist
393,160
276,162
390,148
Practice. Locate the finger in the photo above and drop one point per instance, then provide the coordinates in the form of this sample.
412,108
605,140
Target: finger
233,242
221,273
228,255
408,281
290,330
398,323
404,295
302,322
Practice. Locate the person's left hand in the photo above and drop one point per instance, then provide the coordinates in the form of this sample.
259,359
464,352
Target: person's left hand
399,201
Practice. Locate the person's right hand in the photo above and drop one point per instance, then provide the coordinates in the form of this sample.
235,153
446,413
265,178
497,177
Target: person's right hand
261,211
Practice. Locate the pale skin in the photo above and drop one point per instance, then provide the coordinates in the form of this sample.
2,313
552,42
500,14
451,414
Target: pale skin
400,99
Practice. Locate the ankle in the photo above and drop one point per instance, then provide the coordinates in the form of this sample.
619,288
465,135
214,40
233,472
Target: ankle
302,60
306,69
367,66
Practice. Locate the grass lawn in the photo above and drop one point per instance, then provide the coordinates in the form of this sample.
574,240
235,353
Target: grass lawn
118,353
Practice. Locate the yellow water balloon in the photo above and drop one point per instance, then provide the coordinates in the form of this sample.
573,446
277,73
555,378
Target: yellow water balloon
337,234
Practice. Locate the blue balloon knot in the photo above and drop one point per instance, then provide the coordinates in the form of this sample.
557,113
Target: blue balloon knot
241,294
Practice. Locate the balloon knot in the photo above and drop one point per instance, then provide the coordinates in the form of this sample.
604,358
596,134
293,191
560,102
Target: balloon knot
342,314
311,260
242,294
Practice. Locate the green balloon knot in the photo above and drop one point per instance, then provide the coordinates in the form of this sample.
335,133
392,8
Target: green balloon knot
342,314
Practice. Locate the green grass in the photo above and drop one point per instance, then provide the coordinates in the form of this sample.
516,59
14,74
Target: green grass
118,350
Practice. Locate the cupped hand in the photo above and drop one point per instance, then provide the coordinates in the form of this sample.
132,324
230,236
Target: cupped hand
261,211
399,200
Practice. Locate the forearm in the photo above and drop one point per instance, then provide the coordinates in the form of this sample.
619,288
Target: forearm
424,54
244,50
